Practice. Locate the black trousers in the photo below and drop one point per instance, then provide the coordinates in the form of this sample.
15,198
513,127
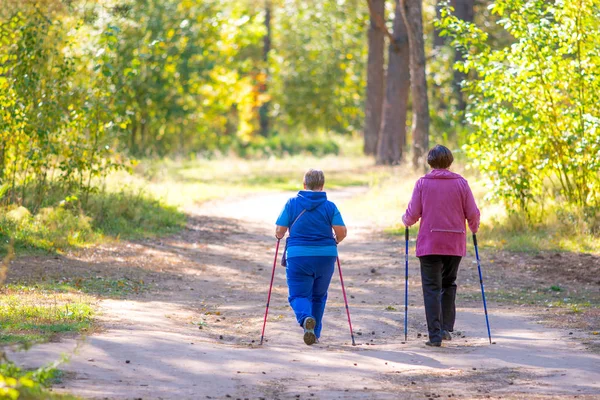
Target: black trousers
438,278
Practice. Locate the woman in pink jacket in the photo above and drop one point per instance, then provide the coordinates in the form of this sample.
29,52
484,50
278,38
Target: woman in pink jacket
442,200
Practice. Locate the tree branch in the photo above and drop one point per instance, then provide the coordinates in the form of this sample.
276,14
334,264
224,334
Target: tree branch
381,25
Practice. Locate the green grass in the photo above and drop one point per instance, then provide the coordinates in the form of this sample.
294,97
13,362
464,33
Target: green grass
567,308
541,296
555,230
36,312
62,225
98,286
151,201
189,183
30,314
526,240
547,237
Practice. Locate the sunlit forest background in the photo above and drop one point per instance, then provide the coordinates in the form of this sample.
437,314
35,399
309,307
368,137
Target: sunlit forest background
93,89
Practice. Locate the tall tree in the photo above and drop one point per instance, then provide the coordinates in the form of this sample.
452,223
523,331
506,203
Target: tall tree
463,10
264,108
412,12
375,75
392,136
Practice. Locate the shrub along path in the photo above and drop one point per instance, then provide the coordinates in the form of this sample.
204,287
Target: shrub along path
192,332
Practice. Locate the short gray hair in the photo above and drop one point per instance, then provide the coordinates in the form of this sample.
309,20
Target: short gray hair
314,179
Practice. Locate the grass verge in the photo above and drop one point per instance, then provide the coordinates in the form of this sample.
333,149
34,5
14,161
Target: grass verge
188,183
39,311
557,229
150,202
69,223
31,314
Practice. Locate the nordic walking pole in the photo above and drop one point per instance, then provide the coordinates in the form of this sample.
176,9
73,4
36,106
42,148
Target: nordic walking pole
487,321
346,302
406,287
262,336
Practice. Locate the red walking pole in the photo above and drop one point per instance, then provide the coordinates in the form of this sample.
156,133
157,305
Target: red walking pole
346,301
270,287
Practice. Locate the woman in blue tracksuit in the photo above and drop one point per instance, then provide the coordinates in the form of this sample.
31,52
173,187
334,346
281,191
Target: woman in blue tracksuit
311,251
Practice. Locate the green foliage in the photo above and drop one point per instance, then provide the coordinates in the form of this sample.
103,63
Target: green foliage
82,83
447,119
559,227
535,104
65,223
284,145
54,127
53,228
16,383
133,214
183,73
319,60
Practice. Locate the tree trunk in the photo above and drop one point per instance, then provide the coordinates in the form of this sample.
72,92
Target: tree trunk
392,137
413,18
264,108
133,142
181,138
143,149
2,151
463,9
375,77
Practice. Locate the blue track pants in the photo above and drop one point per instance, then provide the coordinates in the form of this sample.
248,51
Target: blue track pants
308,279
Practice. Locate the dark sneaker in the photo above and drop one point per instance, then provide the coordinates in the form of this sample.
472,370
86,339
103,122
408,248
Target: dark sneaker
433,344
446,335
309,330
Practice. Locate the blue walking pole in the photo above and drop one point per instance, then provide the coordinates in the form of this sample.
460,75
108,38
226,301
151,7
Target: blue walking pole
406,287
487,321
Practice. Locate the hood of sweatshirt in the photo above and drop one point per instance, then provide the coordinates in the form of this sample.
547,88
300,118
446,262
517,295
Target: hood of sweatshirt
310,200
441,174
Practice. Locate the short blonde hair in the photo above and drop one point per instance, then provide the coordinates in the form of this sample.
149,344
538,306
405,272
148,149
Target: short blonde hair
314,179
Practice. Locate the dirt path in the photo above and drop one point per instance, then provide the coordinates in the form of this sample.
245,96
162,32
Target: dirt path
194,334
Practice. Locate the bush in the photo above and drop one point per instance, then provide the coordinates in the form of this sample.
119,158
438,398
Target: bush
28,385
71,223
535,103
133,214
584,220
53,228
284,145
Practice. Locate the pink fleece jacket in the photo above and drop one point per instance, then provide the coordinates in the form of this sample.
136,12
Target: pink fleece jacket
443,200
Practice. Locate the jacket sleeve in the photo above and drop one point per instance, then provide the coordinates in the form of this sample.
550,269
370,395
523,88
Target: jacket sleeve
472,214
415,207
284,216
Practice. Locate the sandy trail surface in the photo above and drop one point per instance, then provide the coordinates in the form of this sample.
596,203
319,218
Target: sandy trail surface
194,333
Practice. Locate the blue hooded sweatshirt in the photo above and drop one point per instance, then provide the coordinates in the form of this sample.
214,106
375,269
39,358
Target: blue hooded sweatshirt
311,234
